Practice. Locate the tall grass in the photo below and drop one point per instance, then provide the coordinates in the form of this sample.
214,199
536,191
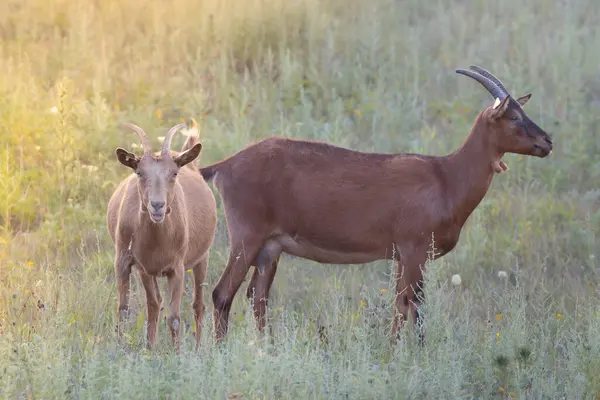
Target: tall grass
371,75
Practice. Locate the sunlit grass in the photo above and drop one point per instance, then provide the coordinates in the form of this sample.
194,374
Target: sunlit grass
511,312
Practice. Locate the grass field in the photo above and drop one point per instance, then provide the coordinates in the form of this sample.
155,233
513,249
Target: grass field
372,75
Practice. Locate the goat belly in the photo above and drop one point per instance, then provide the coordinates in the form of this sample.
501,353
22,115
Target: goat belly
301,247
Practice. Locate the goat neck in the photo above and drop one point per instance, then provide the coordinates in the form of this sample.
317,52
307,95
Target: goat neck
469,170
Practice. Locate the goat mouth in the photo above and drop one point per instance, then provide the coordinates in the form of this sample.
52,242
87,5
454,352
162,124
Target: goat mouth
542,152
157,218
546,152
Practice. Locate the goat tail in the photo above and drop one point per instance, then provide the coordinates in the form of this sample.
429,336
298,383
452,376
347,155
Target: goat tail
189,143
192,134
209,172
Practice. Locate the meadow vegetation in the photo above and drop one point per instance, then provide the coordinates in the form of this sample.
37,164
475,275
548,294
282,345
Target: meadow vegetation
374,75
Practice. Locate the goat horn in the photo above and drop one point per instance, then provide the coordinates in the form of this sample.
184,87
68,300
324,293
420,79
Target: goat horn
485,82
167,142
143,137
490,76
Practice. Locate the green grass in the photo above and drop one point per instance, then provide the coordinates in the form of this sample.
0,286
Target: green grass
371,75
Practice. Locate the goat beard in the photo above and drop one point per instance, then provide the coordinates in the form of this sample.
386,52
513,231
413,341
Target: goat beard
499,166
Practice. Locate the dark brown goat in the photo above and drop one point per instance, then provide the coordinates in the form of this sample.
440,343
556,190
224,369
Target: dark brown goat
335,205
162,219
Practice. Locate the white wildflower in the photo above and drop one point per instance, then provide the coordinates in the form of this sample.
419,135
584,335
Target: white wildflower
502,274
456,280
90,168
160,138
54,110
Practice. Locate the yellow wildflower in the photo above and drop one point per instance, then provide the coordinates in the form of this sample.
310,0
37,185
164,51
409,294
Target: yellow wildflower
499,317
559,316
383,290
363,303
30,263
159,114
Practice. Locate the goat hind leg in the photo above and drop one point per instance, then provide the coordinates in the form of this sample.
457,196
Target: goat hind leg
198,304
240,258
258,291
158,296
153,306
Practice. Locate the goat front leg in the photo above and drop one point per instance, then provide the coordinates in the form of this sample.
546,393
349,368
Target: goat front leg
198,304
175,282
409,281
123,263
153,306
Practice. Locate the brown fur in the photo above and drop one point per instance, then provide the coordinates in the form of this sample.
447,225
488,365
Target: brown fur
180,242
335,205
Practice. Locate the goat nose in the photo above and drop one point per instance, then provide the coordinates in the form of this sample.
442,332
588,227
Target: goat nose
157,205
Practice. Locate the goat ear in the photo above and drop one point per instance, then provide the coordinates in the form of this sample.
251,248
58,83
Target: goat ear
499,107
127,159
524,99
188,155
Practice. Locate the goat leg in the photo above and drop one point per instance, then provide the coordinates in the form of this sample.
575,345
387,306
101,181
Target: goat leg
123,264
198,304
241,255
175,283
153,306
408,279
258,291
270,251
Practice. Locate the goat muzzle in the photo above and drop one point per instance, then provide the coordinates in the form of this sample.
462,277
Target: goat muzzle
144,209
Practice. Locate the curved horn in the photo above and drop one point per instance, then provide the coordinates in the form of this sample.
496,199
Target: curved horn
143,137
167,142
485,82
490,76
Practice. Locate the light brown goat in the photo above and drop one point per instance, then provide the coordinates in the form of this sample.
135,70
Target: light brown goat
335,205
162,220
